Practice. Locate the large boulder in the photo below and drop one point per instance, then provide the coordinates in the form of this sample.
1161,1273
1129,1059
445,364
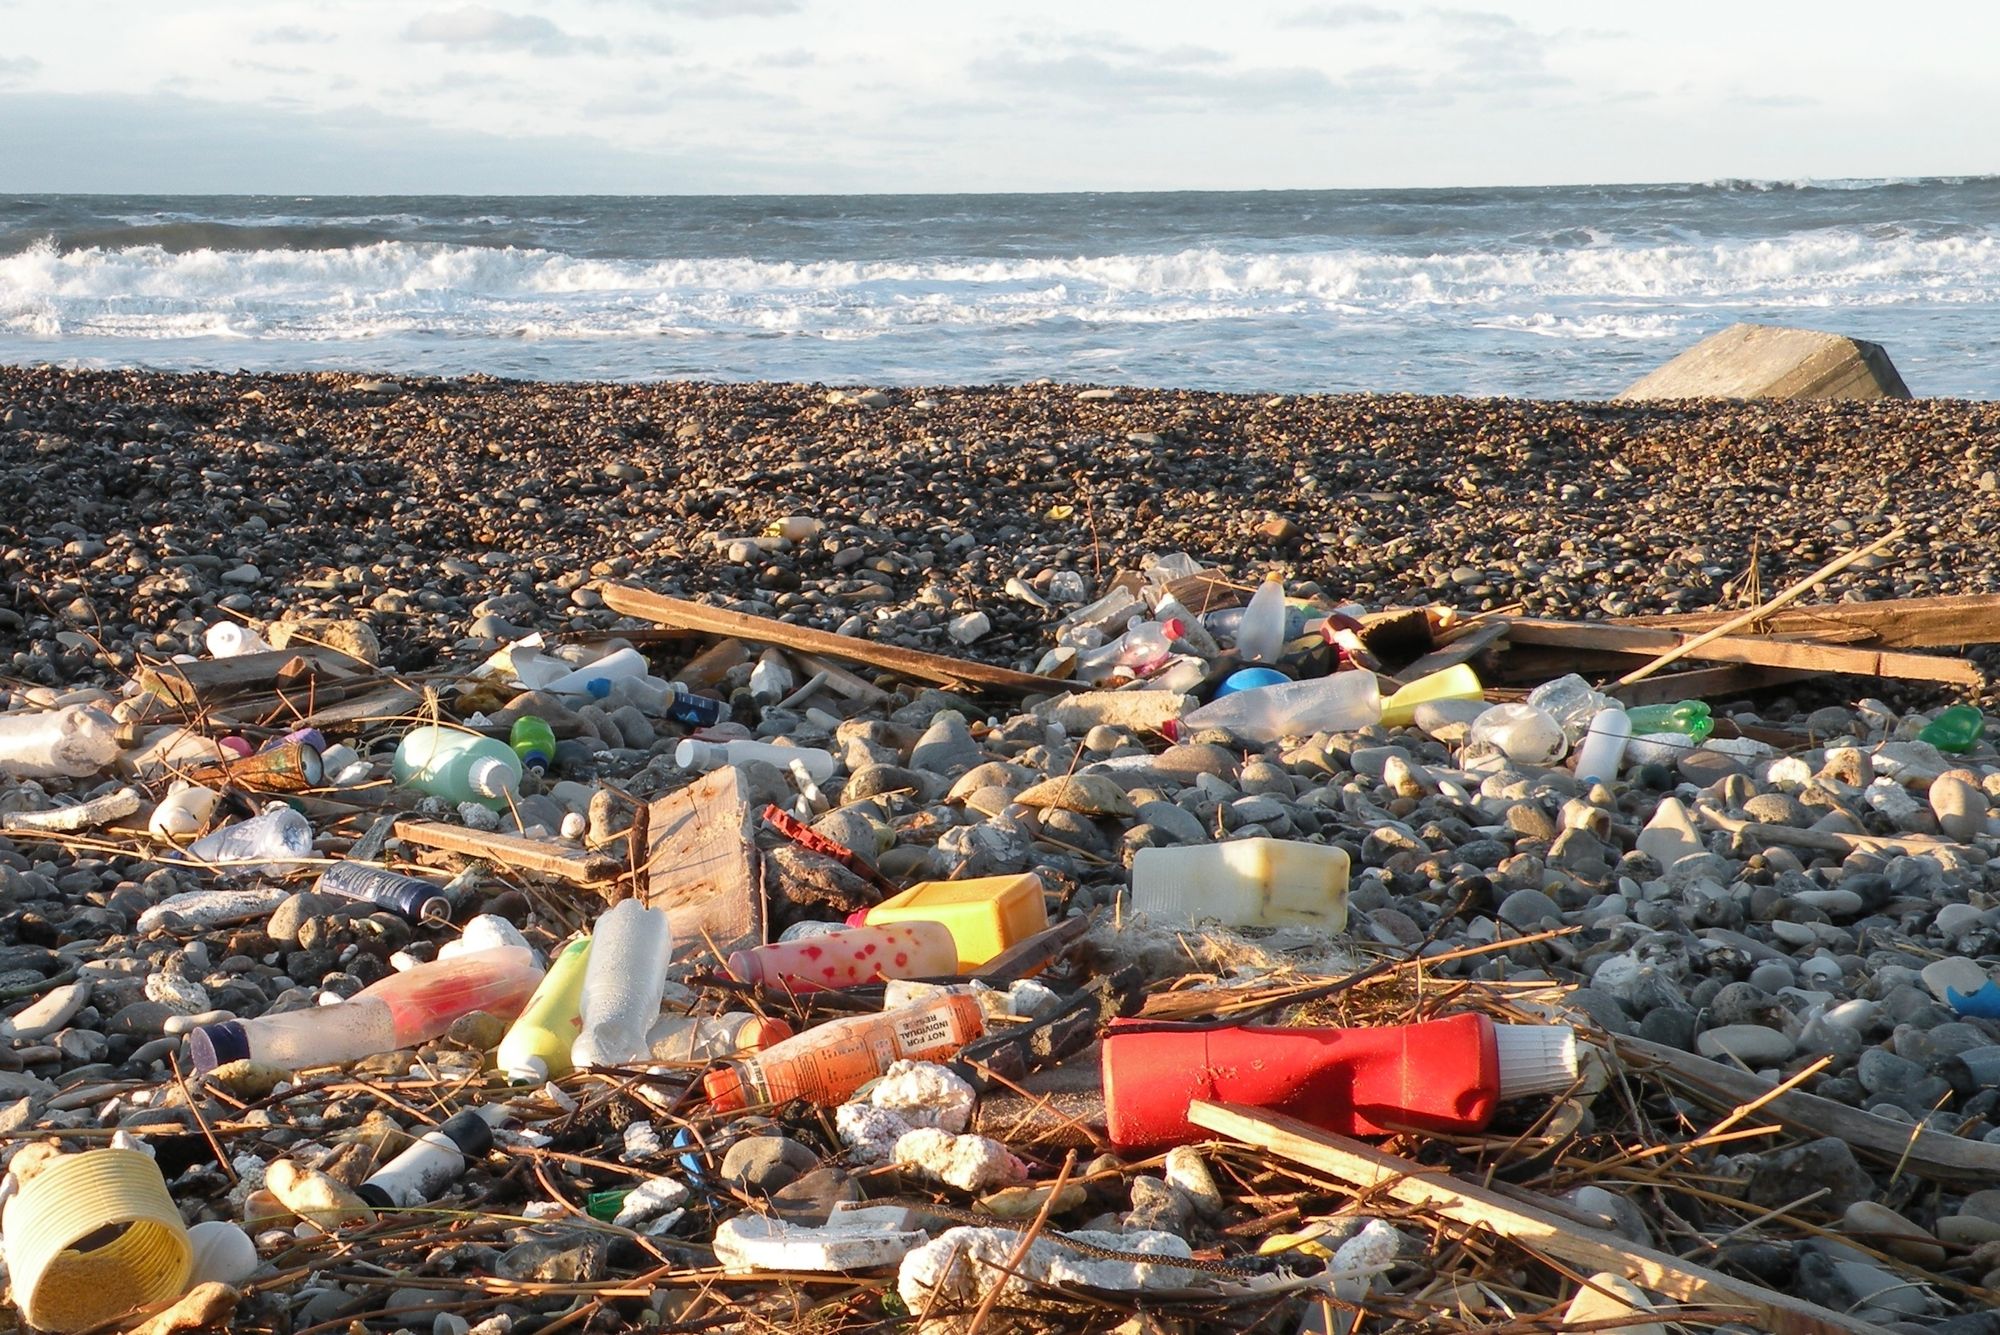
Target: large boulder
1763,361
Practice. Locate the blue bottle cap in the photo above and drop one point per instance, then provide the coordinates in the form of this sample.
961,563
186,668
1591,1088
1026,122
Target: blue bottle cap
214,1045
1250,679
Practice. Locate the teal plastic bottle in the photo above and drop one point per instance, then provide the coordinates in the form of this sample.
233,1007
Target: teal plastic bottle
457,766
1957,730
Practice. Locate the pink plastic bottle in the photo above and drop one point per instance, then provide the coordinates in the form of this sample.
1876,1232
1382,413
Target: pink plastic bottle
398,1012
845,959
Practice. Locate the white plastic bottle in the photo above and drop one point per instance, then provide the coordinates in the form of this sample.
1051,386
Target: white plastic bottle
623,985
72,743
1603,746
1260,637
595,679
229,639
182,812
696,755
707,1038
1242,883
1343,702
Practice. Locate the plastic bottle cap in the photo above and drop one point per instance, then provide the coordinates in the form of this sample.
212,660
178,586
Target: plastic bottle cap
724,1089
491,776
1534,1058
528,1069
214,1045
115,1195
691,754
1174,627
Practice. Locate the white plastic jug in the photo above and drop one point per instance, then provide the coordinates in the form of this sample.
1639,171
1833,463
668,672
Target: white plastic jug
1243,882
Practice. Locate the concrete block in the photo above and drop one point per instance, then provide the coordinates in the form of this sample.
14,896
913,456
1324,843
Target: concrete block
1761,361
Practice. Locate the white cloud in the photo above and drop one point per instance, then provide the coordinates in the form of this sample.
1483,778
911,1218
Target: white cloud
478,26
728,9
1340,16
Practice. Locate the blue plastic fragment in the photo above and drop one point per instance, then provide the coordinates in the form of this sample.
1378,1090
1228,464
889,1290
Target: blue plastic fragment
1983,1004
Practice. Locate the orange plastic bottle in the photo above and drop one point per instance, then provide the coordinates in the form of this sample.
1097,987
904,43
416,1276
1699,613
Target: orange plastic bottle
827,1064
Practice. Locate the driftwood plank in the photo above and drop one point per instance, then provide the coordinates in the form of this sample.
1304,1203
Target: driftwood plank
703,866
936,668
1900,623
562,864
1931,1154
219,678
1761,652
1533,1226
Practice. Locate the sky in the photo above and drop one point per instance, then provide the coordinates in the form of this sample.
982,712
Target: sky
859,96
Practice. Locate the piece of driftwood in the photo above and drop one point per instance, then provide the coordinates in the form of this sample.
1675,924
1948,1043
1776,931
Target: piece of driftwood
1897,623
391,700
211,679
1929,1154
842,682
703,867
511,850
1464,649
1530,1225
1712,683
1759,651
1824,841
704,672
1791,593
936,668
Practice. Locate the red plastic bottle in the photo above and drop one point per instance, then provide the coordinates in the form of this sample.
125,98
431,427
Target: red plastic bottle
1440,1075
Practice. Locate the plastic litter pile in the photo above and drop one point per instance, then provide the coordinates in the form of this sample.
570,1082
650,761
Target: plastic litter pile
1257,961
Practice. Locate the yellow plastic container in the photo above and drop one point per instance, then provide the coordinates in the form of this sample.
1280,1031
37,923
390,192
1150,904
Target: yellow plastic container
985,916
91,1237
537,1045
1457,682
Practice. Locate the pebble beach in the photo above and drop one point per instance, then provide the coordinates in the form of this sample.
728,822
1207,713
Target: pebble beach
448,516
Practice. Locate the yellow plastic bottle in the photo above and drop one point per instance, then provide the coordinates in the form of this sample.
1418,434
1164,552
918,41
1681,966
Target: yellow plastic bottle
537,1045
1243,882
1457,682
985,915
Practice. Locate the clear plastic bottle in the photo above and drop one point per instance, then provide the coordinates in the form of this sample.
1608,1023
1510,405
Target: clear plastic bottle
1260,636
1523,733
1343,702
537,1045
457,766
271,844
623,985
400,1011
707,1038
1144,644
858,955
698,755
72,743
1572,702
1192,633
673,699
827,1064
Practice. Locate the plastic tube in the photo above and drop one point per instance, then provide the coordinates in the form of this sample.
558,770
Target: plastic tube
698,755
1440,1075
399,1011
595,679
1603,746
828,1064
537,1045
426,1170
623,984
850,958
413,898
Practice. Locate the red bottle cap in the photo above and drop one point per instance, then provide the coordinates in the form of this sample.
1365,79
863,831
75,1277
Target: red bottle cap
724,1088
761,1033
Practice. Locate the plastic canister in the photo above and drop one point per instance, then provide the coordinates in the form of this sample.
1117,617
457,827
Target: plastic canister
985,915
93,1236
1243,882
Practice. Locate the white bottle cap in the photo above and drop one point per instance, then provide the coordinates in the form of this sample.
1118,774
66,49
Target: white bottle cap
490,776
1535,1058
528,1070
691,754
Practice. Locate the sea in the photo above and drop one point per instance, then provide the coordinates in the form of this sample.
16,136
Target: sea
1549,292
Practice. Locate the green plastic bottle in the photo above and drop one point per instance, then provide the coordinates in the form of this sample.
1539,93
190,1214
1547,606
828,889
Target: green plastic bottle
1957,730
534,741
1688,717
457,766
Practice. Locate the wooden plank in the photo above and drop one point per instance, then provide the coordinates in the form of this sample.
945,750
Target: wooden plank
1931,1154
1762,652
533,855
1899,623
390,700
1712,683
1534,1226
219,678
704,868
1461,650
628,601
